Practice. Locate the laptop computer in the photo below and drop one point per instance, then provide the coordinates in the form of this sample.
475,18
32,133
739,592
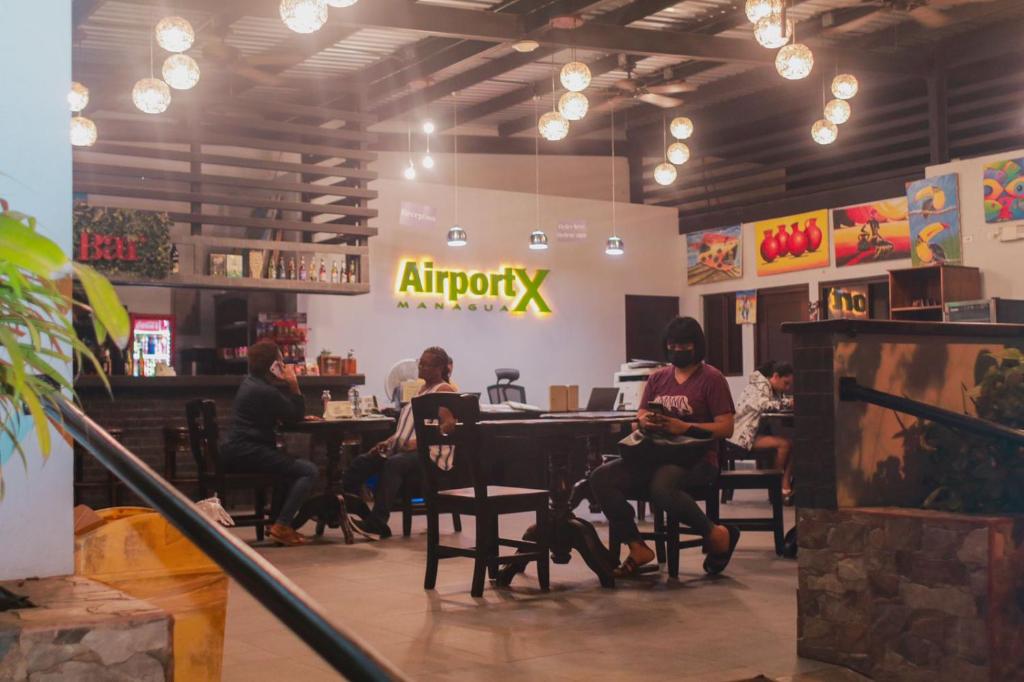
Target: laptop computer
602,399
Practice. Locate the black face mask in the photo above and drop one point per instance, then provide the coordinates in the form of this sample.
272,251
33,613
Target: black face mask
682,358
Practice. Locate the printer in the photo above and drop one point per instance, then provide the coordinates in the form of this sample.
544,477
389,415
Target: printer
630,380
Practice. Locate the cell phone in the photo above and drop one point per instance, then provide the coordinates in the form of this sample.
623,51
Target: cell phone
277,369
656,408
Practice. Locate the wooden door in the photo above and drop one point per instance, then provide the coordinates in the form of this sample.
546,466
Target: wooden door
775,306
646,318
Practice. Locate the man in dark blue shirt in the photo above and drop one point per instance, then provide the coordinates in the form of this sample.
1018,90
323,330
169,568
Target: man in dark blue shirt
269,396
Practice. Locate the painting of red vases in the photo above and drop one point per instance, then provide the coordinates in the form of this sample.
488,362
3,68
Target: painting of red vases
792,243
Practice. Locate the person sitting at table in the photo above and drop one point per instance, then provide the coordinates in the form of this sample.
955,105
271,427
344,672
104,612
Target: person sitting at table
765,392
270,395
395,458
677,398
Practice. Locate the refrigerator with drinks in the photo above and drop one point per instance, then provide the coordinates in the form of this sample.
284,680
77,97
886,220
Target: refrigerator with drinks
152,343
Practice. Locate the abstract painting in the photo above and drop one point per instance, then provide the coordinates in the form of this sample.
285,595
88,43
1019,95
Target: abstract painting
792,243
1004,191
714,255
872,232
934,209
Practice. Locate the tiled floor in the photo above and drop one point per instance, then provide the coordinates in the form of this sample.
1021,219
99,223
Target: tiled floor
732,628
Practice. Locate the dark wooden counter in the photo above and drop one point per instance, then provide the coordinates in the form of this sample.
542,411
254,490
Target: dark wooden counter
905,328
202,383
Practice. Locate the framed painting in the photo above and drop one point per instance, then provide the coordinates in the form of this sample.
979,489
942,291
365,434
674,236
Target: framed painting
714,255
934,211
867,233
792,243
1004,191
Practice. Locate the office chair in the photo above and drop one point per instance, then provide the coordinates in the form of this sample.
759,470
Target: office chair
504,389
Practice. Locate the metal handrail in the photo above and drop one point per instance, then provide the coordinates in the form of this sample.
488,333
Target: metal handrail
850,390
342,650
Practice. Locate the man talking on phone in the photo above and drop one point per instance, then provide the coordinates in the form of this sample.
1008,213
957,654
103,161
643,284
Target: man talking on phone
269,396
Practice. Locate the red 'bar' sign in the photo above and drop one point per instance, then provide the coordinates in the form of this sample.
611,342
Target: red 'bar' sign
94,247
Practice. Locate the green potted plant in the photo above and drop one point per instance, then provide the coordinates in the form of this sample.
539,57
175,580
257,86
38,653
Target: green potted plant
37,338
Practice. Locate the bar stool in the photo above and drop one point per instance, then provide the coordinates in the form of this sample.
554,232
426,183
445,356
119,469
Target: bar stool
176,441
110,483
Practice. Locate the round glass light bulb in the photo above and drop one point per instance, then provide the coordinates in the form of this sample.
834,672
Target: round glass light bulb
838,111
681,128
456,236
759,9
575,76
341,3
824,132
180,72
794,61
678,153
538,240
665,173
428,161
410,171
768,32
151,95
175,34
78,96
303,16
845,86
615,246
428,127
83,132
573,105
553,126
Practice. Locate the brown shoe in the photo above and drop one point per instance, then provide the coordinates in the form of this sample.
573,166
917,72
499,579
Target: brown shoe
286,535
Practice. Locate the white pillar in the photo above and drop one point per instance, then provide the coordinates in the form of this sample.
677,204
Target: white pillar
35,162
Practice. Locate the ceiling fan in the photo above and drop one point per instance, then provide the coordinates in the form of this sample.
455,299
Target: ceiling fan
928,13
657,95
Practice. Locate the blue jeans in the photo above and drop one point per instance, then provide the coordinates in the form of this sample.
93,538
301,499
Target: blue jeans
294,477
393,471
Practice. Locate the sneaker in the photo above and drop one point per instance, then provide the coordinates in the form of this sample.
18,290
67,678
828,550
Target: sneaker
286,535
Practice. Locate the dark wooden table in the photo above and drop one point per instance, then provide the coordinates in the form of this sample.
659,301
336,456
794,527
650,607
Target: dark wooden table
555,436
333,432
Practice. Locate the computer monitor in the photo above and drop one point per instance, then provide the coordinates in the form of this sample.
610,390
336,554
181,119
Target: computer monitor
602,399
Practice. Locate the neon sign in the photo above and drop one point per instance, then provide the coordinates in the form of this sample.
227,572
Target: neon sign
516,288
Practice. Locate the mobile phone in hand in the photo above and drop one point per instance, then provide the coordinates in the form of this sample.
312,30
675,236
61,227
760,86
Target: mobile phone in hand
656,408
277,369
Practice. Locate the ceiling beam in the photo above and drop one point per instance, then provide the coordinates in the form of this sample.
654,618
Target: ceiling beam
81,10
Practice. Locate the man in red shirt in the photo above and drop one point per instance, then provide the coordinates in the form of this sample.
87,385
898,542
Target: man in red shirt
677,399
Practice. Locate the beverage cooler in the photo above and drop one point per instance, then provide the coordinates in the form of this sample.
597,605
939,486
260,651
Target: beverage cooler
152,343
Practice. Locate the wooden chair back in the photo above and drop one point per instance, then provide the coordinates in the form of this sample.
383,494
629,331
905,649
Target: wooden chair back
203,437
452,456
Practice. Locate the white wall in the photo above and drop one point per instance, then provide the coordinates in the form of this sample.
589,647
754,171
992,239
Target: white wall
582,342
35,160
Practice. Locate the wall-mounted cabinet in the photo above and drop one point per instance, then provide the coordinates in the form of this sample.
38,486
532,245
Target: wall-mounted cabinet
921,293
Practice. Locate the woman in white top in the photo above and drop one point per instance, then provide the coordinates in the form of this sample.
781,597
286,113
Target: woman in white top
394,458
765,393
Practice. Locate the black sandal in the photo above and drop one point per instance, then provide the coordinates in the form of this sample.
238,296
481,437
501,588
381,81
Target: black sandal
716,563
630,568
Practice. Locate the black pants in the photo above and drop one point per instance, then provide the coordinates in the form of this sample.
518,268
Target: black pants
294,477
393,471
655,475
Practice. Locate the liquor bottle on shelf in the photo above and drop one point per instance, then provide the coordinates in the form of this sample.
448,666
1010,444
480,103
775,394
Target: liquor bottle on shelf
322,277
280,267
352,277
291,268
312,269
335,275
271,269
303,273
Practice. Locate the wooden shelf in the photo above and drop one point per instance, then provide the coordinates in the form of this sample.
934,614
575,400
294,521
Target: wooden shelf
248,284
911,308
937,284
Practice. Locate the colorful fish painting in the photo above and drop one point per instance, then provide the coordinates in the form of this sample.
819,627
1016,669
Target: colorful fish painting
1004,191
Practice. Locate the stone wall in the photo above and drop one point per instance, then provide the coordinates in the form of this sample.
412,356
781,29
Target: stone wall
904,594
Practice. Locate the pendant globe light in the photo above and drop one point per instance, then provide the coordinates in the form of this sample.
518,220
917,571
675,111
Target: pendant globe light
794,62
759,9
180,72
553,126
573,105
838,111
575,76
678,153
824,132
456,235
174,34
538,239
83,131
614,246
664,173
681,128
78,97
845,86
303,16
151,95
772,32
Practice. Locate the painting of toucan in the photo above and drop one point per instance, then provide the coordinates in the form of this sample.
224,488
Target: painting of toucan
934,212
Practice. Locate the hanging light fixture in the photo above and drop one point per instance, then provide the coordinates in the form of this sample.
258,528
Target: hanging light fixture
573,105
794,62
614,246
83,131
428,127
838,111
78,96
525,45
575,76
538,240
769,31
759,9
553,126
303,16
428,161
681,128
824,132
341,3
180,72
678,153
845,86
410,170
151,95
664,172
456,235
174,34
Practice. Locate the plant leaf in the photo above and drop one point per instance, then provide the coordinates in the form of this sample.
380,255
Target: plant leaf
25,248
106,307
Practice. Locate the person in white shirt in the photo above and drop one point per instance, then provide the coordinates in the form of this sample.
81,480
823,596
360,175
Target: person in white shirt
394,458
765,393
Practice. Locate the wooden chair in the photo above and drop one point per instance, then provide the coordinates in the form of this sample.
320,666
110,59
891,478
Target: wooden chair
204,434
412,488
753,479
459,460
109,482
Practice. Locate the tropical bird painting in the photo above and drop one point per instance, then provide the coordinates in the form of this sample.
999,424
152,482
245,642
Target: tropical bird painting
934,211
